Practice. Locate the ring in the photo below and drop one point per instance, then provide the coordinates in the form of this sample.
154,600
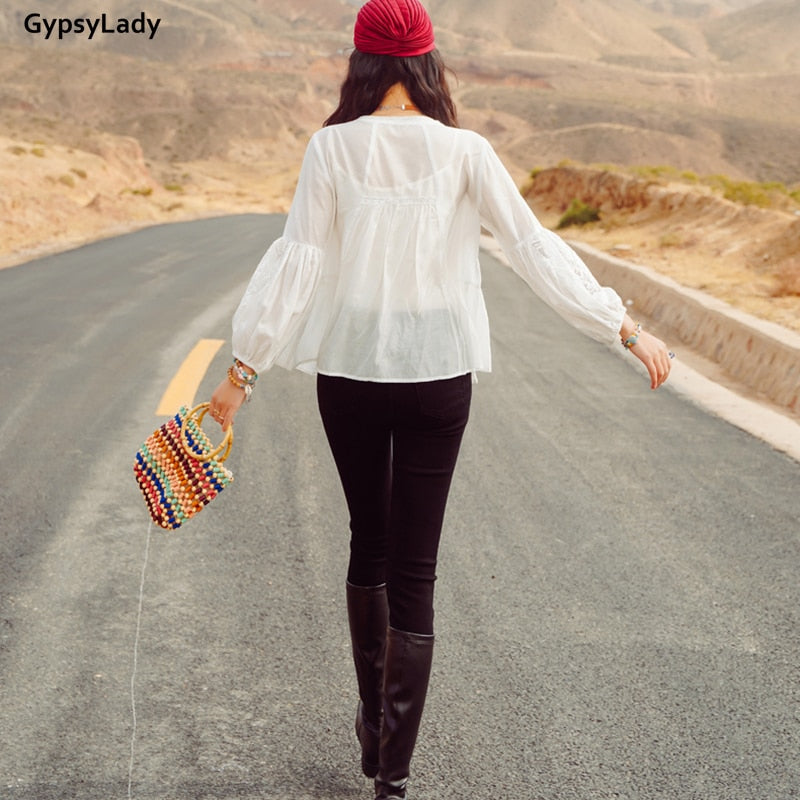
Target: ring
671,354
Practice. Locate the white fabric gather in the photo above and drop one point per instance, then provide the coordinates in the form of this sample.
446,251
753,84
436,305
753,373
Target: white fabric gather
377,277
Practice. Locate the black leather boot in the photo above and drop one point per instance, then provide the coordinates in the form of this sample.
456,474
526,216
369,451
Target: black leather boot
405,685
368,615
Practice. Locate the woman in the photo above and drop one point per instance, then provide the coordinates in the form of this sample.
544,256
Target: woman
375,288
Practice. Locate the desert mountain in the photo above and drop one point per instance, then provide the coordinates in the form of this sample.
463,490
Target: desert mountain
197,106
707,85
760,38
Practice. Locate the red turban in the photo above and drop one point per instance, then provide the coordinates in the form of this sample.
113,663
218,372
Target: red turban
394,28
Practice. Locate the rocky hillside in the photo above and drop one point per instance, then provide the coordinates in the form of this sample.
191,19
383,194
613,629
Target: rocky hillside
744,254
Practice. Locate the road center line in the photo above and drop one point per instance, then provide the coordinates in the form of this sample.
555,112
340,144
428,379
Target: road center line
183,386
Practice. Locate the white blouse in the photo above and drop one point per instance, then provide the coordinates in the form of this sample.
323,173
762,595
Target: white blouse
376,276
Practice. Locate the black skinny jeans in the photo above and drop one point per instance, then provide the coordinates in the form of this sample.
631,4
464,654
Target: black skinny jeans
395,446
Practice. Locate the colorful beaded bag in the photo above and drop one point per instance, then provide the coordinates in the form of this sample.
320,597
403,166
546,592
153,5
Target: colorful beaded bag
179,471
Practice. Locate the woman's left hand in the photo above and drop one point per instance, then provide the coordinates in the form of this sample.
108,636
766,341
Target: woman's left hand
225,402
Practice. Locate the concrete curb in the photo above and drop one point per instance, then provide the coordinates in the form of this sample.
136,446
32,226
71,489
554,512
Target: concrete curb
759,356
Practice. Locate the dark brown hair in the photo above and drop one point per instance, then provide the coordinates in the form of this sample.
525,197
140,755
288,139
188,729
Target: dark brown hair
370,76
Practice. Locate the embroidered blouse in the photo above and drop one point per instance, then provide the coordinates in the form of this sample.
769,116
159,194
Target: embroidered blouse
376,275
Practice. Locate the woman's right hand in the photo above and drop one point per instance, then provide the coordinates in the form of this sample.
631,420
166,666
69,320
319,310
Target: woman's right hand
649,349
653,353
226,400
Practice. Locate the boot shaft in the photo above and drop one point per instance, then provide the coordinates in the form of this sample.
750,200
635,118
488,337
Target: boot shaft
405,686
368,618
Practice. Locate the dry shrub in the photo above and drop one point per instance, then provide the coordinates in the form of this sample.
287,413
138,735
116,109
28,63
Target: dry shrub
670,239
578,213
787,278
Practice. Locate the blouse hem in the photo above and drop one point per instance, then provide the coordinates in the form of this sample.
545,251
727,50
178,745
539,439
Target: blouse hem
448,376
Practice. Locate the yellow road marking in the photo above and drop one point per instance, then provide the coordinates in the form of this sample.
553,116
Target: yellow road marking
183,386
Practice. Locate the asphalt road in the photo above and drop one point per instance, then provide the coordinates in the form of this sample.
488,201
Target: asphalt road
618,606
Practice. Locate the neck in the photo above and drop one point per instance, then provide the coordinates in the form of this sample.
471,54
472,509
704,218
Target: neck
395,101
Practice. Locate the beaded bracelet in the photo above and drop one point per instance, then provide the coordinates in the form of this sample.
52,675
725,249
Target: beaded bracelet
234,379
633,338
243,374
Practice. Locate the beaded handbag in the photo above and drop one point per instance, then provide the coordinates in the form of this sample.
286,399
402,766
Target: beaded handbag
179,471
